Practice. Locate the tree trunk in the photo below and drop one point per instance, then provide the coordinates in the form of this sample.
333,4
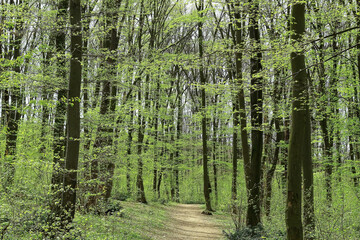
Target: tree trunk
240,94
298,140
324,124
57,177
307,165
178,138
104,136
353,158
253,217
129,150
235,148
14,116
73,113
156,129
215,148
270,172
140,193
206,179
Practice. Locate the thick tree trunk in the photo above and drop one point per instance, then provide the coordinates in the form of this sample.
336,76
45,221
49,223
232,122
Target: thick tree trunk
298,139
60,116
73,113
253,217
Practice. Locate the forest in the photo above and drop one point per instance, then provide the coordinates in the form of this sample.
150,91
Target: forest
119,119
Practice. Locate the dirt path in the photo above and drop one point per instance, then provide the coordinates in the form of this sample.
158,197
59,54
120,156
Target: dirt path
187,223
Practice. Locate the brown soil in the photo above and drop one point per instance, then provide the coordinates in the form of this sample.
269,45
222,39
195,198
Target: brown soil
187,223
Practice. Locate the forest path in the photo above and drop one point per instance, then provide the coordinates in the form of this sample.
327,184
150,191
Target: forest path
187,223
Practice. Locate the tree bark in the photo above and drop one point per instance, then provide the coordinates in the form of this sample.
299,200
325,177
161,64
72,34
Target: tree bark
178,139
253,217
298,140
73,113
215,150
206,179
140,192
14,115
307,166
239,108
60,115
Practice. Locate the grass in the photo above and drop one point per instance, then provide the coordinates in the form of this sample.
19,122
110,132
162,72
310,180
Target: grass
134,221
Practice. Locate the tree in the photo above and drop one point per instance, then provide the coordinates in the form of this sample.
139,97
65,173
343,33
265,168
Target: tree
59,134
73,114
13,114
104,135
300,142
235,15
140,194
206,179
253,217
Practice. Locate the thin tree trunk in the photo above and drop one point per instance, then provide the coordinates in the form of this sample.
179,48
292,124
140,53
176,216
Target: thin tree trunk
128,158
270,172
324,124
215,150
156,129
14,116
104,134
235,148
206,179
240,94
353,158
140,193
307,166
86,106
178,138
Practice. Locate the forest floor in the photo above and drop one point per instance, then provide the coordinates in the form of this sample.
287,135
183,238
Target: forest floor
187,222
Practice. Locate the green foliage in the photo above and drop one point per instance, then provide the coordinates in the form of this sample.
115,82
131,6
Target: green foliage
164,70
